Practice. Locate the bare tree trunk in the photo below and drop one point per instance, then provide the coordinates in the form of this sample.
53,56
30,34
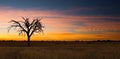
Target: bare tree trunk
28,40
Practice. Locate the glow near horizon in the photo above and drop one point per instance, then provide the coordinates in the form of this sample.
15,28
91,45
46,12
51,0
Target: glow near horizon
59,26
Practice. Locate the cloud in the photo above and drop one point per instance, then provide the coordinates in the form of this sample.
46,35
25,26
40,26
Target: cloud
57,22
8,13
77,9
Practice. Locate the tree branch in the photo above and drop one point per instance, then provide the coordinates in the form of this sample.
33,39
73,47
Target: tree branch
19,25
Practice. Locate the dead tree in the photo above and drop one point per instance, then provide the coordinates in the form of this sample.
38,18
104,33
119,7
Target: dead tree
27,27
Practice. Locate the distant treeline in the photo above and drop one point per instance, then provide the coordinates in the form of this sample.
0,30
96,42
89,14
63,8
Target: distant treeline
52,43
63,41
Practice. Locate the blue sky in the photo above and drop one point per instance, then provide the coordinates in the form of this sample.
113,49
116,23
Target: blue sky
100,7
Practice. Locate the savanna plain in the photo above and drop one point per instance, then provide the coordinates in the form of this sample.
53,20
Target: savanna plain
59,50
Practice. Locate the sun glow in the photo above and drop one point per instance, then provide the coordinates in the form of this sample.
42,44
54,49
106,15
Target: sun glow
59,26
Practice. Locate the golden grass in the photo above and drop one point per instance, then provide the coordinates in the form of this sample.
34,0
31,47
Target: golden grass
63,50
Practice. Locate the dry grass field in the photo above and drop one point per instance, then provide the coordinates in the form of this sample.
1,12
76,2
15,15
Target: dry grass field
60,50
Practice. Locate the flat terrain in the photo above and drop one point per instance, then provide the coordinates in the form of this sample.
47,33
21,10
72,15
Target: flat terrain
60,50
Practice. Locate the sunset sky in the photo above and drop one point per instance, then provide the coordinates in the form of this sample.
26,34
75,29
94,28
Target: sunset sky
64,19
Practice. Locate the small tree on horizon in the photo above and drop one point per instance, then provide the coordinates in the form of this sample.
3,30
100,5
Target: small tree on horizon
27,27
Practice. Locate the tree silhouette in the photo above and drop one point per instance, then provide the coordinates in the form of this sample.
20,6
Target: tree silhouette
27,27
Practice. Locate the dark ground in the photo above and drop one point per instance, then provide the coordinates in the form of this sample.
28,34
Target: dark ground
60,50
